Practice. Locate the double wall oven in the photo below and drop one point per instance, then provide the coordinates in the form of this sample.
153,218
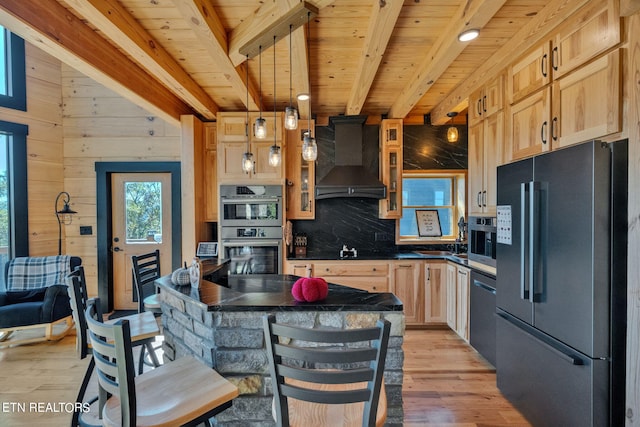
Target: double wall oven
251,228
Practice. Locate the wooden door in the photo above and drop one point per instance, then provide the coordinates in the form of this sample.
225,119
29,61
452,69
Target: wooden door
493,96
530,73
452,299
475,167
587,102
230,161
435,298
141,221
407,287
530,125
492,144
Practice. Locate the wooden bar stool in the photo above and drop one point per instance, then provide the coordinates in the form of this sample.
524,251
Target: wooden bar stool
182,392
327,377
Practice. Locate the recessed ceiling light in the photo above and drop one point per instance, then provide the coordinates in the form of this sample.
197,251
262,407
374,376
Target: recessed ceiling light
468,35
303,96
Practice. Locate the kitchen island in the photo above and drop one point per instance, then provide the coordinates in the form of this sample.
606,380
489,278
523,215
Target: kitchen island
221,324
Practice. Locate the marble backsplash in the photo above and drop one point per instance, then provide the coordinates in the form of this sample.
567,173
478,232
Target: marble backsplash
355,222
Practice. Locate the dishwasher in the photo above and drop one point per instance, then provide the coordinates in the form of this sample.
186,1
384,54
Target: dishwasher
482,316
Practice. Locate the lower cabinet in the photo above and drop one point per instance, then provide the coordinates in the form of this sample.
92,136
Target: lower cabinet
435,292
462,294
452,299
366,275
406,284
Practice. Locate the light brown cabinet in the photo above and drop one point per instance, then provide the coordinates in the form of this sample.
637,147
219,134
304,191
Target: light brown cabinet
406,284
485,144
435,292
210,173
391,168
232,144
300,176
367,275
487,100
462,294
558,97
452,299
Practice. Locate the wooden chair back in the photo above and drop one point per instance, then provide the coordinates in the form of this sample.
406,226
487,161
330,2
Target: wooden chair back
113,356
146,269
315,357
77,288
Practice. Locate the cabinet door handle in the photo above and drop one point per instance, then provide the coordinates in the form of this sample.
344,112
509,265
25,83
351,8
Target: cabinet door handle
428,274
543,132
478,199
543,65
484,198
479,107
554,129
484,103
555,58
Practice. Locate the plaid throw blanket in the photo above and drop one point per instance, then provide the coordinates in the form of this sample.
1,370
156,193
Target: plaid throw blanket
27,273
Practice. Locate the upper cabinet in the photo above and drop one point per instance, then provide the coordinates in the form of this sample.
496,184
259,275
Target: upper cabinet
210,173
486,136
391,168
232,144
558,94
300,176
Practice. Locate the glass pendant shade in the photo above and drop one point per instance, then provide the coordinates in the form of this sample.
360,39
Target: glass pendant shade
452,134
247,162
274,156
290,118
309,148
260,128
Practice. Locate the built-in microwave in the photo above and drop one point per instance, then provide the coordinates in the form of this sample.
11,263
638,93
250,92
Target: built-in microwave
251,205
482,239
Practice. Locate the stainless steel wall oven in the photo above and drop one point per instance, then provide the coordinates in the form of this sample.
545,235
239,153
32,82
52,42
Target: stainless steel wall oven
251,228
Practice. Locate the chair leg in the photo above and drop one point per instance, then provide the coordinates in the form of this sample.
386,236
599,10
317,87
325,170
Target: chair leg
152,355
81,392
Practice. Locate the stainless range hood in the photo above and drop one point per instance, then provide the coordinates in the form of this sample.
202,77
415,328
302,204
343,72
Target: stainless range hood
349,178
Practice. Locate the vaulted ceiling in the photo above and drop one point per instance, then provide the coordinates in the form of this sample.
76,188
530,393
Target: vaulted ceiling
372,57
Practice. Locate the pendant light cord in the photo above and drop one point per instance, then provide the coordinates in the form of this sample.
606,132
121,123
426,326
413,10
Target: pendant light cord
290,72
246,126
309,65
275,121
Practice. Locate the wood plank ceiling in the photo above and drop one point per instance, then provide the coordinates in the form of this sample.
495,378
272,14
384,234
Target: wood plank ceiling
373,57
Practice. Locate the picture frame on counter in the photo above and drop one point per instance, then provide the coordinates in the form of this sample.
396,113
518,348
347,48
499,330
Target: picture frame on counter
428,221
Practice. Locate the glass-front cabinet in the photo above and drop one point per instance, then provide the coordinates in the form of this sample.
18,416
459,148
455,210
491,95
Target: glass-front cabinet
391,168
300,175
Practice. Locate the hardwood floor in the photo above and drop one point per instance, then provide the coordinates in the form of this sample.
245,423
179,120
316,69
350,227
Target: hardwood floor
446,384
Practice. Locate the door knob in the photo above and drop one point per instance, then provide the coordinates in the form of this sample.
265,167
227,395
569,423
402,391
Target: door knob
116,249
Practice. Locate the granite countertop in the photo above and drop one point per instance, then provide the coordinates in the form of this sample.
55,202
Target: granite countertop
266,292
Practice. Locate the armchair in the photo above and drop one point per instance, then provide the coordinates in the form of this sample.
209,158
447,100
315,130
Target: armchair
36,297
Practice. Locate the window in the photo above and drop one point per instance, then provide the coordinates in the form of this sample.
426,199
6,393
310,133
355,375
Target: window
14,236
13,92
437,190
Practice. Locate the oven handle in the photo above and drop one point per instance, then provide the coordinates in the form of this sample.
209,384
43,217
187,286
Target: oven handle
238,201
251,242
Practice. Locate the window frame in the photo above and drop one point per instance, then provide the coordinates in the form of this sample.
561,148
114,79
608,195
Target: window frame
459,181
16,72
17,191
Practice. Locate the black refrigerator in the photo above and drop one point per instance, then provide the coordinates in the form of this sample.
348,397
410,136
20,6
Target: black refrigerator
561,263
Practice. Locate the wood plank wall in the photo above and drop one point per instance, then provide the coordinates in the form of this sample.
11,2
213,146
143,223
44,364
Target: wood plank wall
44,147
101,126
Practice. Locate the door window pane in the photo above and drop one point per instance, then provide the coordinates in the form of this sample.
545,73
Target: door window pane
143,212
13,92
4,205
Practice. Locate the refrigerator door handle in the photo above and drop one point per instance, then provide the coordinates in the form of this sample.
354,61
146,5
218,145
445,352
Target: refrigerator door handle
567,357
524,291
534,232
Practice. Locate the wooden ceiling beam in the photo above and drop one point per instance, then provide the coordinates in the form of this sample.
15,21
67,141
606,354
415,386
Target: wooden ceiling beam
112,20
383,20
535,30
52,28
471,14
206,24
266,16
629,7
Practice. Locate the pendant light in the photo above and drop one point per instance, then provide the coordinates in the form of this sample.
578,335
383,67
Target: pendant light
260,126
247,157
452,131
309,146
274,152
290,113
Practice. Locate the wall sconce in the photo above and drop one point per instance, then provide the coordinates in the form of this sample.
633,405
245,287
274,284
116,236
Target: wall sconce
63,215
